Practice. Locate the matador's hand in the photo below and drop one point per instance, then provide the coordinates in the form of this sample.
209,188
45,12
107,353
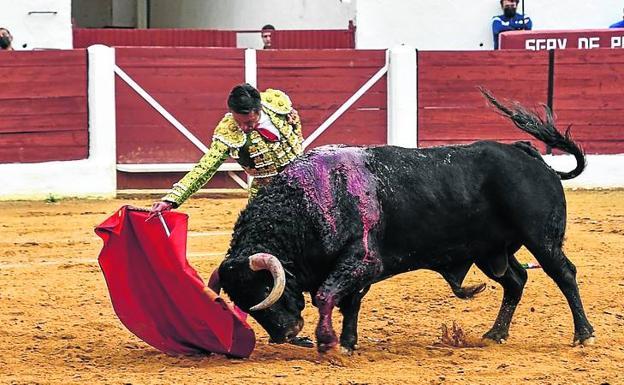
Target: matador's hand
293,116
159,207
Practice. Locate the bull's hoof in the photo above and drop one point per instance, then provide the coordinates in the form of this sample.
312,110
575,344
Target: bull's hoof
496,336
346,351
348,342
324,347
326,339
587,341
488,342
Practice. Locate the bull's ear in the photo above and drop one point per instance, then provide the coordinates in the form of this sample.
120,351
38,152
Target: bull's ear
234,272
214,282
226,276
229,265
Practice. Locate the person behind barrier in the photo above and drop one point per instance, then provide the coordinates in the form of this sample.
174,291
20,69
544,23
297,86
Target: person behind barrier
266,33
262,131
510,20
619,24
6,40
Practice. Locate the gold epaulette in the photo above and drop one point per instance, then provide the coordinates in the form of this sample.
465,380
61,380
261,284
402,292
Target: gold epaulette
276,101
228,132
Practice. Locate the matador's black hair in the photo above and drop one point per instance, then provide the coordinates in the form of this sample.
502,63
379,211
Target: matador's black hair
244,98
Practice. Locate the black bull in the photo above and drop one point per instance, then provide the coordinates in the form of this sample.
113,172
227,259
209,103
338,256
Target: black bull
342,218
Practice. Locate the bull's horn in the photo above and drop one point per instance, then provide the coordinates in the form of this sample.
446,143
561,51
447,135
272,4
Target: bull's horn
264,261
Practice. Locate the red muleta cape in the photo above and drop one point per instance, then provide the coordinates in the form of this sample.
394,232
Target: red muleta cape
158,296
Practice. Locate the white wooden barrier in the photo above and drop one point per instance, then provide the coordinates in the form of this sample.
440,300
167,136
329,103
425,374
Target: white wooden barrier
92,177
96,176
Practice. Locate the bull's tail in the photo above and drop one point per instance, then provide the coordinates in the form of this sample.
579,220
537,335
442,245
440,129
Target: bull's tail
544,131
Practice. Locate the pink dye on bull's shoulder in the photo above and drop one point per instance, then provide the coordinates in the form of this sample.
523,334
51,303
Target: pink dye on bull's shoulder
314,174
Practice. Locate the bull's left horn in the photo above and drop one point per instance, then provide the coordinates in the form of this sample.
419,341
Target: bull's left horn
264,261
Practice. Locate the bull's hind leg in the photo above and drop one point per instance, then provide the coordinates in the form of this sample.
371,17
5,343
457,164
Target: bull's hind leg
563,272
512,281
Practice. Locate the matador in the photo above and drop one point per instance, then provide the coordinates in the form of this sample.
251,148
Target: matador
262,131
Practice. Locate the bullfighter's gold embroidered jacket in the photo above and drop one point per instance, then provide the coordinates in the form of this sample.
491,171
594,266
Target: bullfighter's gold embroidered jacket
259,157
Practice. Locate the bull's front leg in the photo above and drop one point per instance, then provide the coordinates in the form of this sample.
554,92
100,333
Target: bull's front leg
350,309
347,279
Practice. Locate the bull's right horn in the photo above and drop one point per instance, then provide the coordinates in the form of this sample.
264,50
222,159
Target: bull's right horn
265,261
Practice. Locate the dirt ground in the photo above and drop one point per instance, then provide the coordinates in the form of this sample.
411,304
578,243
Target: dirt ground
57,325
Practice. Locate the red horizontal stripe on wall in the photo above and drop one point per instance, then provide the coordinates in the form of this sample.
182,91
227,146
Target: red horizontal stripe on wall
313,39
85,37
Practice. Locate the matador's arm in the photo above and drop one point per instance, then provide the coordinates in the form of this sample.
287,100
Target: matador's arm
199,175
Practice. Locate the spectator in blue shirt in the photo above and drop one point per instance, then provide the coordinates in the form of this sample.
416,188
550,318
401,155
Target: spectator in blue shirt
510,20
619,24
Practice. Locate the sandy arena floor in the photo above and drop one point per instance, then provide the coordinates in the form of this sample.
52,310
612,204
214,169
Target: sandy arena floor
57,325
